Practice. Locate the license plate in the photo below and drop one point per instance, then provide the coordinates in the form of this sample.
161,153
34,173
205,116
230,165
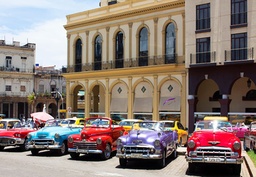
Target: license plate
82,150
213,159
40,146
136,155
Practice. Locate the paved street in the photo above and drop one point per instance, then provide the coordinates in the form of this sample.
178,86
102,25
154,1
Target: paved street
21,164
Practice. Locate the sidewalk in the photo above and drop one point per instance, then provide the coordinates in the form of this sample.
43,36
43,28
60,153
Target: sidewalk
248,162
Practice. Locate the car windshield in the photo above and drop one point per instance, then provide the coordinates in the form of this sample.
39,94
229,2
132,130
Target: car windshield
253,127
53,123
147,126
69,121
126,123
214,125
97,122
9,124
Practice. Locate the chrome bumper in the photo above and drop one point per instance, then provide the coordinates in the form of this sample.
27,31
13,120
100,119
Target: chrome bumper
12,142
138,156
33,146
85,151
223,160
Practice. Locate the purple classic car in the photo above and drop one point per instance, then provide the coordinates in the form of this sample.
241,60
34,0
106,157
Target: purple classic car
148,140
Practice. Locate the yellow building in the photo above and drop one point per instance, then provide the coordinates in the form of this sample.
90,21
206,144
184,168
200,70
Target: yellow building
127,59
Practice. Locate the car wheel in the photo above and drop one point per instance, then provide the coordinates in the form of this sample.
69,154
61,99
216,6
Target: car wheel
24,146
162,162
1,148
63,149
74,155
34,151
122,162
191,167
174,154
236,169
107,152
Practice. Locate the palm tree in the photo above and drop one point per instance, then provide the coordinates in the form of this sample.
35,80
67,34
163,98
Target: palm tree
31,100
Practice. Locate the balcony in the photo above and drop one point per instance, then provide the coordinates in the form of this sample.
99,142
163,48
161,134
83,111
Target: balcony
203,58
239,55
14,69
122,63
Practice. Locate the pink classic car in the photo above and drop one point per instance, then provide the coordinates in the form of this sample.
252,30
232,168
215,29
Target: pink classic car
240,129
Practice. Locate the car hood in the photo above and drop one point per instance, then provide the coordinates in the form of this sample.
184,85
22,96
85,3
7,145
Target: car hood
141,136
89,132
214,138
11,132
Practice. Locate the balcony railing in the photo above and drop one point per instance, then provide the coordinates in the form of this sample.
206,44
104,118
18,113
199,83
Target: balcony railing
203,57
239,54
122,63
14,69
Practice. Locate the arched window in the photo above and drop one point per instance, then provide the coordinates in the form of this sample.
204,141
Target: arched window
143,55
170,38
119,50
78,56
97,53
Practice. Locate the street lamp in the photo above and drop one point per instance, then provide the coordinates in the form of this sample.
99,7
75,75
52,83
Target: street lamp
57,96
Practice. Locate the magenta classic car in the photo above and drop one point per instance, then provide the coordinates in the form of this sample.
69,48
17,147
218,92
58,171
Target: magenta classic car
214,142
240,129
147,140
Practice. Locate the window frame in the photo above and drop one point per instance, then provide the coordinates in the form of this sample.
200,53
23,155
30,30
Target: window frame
238,13
203,17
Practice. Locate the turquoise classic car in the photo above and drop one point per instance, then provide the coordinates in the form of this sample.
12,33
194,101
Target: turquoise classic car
52,137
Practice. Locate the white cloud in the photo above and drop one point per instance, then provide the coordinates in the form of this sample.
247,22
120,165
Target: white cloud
27,24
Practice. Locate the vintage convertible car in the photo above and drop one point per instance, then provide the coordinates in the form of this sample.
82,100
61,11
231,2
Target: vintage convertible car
127,123
53,137
15,134
240,129
97,137
73,122
214,141
181,130
250,137
147,140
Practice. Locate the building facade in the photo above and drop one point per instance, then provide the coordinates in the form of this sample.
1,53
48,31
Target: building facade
49,91
16,77
220,42
127,58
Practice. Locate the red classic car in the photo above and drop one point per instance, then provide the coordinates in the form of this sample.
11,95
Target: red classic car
250,137
13,133
214,141
98,136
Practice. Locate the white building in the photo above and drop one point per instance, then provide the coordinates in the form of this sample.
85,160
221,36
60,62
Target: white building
16,77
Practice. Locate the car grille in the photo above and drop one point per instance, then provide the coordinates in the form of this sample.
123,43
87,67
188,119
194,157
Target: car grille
214,152
86,145
43,141
7,141
137,150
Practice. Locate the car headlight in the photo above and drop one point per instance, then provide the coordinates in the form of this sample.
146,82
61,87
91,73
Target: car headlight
119,142
191,144
237,145
29,136
57,136
70,139
99,141
157,143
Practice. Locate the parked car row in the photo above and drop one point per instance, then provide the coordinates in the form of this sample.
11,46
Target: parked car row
213,140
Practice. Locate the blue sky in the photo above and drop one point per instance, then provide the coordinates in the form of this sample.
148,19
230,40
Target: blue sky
41,22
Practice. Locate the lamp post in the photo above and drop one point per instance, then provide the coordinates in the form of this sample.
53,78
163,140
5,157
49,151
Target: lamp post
57,96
